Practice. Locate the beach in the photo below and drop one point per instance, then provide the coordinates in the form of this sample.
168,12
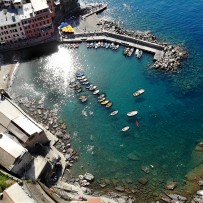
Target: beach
6,75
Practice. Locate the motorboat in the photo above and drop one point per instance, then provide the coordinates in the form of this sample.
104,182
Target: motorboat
113,113
88,86
88,45
105,102
132,113
80,77
130,51
102,44
78,90
96,92
102,99
139,54
126,50
109,105
117,46
126,128
83,80
77,87
138,92
101,96
72,84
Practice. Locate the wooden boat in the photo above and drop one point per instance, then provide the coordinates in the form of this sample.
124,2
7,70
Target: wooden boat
105,102
82,97
109,105
125,128
138,92
96,92
76,45
132,113
102,99
101,96
126,50
113,113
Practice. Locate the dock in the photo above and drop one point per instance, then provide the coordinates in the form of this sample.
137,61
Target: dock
124,40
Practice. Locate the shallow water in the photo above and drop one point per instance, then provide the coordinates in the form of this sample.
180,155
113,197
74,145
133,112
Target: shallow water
170,110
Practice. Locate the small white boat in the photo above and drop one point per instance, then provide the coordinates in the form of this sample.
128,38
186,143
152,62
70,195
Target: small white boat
138,92
96,92
92,87
113,113
132,113
102,99
125,128
139,54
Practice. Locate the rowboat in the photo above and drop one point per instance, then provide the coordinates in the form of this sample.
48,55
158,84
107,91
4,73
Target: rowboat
138,92
105,102
92,87
109,105
83,98
96,92
101,96
125,128
113,113
132,113
102,99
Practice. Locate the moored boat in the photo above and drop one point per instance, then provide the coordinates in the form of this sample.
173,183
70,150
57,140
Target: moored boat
138,92
113,113
109,105
126,50
77,45
101,96
139,54
132,113
92,87
104,102
102,99
125,128
96,92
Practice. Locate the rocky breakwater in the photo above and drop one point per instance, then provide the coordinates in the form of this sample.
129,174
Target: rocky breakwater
51,122
172,55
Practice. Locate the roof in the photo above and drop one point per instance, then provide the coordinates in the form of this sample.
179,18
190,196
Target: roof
11,147
39,5
26,11
27,125
7,16
17,195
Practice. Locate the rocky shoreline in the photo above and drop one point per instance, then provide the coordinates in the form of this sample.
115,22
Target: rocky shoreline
173,54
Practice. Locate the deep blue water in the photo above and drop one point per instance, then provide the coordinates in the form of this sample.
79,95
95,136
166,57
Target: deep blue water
170,111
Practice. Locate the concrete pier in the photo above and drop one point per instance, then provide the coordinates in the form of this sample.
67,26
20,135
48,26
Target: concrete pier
153,48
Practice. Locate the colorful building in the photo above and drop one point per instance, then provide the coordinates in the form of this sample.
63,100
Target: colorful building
21,20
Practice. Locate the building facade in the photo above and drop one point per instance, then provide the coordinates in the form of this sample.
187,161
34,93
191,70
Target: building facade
21,19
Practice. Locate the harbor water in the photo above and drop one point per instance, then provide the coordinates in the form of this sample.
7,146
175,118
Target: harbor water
169,112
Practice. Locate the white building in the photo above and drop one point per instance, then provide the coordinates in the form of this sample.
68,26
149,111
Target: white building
15,194
13,156
20,125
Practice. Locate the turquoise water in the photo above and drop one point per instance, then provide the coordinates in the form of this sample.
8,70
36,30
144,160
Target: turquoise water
170,111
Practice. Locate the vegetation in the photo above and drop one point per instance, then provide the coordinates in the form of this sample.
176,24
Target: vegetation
3,182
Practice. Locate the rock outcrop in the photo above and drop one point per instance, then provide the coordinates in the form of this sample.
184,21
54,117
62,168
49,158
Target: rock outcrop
70,7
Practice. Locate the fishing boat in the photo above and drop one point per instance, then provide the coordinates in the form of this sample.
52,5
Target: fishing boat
101,96
113,113
102,99
138,92
105,102
96,92
125,128
109,105
132,113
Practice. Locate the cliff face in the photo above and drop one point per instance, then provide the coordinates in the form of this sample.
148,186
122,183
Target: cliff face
70,7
